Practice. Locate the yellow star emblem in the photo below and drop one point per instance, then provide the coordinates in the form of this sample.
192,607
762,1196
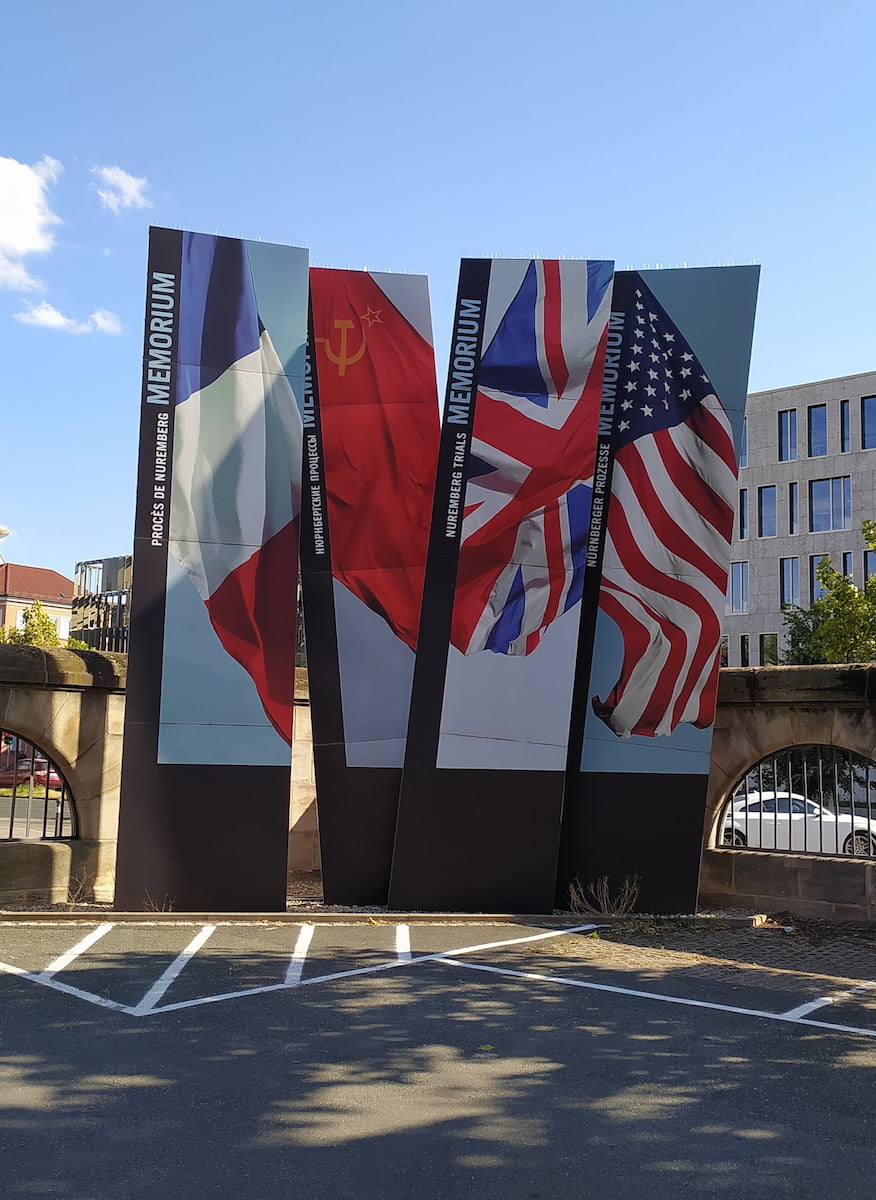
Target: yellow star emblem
372,316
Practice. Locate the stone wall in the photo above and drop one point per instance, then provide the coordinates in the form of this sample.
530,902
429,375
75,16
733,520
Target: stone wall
762,710
71,703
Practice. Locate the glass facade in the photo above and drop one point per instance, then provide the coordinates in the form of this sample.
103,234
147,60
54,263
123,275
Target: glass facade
769,649
789,582
788,435
816,591
766,511
868,422
817,430
830,504
738,594
793,508
848,564
743,513
845,427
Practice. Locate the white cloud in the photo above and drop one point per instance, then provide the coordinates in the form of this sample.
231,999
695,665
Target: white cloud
15,275
106,322
26,219
47,317
120,189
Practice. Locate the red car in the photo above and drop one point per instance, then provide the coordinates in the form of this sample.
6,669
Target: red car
16,773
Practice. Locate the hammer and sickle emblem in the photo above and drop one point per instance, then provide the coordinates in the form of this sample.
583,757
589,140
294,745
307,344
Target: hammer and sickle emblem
343,359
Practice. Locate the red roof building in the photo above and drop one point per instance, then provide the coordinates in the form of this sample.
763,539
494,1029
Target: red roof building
20,586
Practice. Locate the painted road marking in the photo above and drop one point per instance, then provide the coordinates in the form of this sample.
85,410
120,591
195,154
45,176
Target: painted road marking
299,955
164,981
65,959
56,985
388,965
403,943
803,1010
149,1005
683,1000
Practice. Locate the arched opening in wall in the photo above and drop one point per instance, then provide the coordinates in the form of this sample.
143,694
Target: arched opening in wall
806,800
35,801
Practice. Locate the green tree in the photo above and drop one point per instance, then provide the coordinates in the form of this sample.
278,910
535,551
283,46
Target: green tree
802,635
840,627
38,629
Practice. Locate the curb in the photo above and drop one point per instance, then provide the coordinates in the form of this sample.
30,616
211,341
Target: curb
552,920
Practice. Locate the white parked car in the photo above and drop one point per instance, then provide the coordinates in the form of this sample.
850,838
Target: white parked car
788,821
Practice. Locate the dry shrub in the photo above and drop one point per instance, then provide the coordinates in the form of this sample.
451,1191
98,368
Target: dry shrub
598,899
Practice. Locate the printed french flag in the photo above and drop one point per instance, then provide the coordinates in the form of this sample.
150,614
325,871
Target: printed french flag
236,487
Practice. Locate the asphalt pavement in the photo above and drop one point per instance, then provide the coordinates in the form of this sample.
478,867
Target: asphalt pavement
389,1060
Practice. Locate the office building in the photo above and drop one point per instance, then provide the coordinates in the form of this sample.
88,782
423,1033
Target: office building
807,481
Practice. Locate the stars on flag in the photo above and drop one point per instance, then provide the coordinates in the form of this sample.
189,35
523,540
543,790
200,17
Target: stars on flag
674,379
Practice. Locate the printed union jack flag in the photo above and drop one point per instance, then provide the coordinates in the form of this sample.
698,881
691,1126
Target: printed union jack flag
530,469
670,523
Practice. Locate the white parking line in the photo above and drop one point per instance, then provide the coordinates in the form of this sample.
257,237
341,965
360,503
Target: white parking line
389,965
149,1005
803,1010
65,959
403,943
299,955
161,984
56,985
683,1000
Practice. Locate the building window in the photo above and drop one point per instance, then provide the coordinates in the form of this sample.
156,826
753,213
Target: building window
788,435
868,422
789,582
848,564
766,511
830,504
845,427
817,430
743,650
816,591
793,508
738,597
869,564
743,445
725,650
769,649
743,513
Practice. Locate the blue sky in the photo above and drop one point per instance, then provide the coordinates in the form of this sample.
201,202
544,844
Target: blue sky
402,135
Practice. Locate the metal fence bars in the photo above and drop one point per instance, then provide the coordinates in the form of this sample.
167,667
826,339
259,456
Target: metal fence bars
35,801
806,800
101,620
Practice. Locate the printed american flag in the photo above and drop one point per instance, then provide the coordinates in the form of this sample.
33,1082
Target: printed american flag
528,490
670,523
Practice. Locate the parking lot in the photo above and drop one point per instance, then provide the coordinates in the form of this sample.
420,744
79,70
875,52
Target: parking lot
385,1058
